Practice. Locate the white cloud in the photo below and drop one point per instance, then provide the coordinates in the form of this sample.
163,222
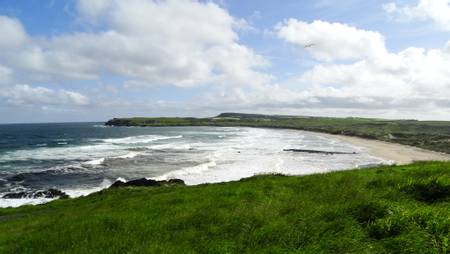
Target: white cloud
414,78
152,43
175,42
437,11
92,9
5,75
12,34
332,41
27,95
411,73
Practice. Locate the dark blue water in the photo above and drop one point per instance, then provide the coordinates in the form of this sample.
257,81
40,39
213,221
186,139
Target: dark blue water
30,136
82,156
58,143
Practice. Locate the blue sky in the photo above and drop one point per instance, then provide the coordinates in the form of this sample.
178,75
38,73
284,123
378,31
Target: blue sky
80,60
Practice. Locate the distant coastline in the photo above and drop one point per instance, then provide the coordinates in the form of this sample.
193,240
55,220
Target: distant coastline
402,141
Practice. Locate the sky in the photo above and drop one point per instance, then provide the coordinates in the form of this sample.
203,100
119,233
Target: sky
92,60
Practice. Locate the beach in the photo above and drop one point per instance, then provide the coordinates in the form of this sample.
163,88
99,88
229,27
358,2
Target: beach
400,154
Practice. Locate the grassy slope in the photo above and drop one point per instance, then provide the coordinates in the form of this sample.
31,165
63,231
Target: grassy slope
433,135
400,209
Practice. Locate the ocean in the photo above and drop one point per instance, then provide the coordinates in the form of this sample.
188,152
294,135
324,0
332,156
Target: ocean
81,158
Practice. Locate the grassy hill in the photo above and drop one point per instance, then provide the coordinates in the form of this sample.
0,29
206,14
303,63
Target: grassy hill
432,135
390,209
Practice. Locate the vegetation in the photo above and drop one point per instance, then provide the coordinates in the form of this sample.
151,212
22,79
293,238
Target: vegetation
432,135
389,209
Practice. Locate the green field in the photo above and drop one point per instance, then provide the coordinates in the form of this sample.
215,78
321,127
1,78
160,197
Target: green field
432,135
390,209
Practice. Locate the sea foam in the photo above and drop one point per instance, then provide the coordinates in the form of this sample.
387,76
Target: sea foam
139,139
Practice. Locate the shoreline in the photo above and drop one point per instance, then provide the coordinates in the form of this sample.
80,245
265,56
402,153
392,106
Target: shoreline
429,135
392,153
398,153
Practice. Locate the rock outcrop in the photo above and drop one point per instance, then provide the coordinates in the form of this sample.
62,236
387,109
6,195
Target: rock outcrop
316,151
143,182
50,193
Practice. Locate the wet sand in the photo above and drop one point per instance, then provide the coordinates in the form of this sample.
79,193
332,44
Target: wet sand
399,154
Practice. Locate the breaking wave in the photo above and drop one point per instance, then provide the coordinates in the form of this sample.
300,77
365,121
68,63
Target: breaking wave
139,139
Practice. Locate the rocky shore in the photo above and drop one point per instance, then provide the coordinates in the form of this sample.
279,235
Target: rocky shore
55,193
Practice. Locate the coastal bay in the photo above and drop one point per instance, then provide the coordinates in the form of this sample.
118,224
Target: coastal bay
247,189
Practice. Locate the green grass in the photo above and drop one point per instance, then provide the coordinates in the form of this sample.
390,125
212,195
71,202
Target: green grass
391,209
432,135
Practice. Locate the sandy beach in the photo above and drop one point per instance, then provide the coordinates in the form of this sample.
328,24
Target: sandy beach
400,154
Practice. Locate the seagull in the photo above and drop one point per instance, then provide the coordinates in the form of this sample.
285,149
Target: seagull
309,45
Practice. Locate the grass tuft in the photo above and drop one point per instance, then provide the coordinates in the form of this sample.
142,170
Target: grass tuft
368,212
432,189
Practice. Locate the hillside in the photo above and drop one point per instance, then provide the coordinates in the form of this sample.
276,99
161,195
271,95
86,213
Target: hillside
391,209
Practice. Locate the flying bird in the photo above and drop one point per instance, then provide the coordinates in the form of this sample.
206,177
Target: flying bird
309,45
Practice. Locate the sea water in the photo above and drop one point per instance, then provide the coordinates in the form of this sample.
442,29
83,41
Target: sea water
81,158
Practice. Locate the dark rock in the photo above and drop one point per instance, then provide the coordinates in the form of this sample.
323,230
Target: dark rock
50,193
315,151
143,182
53,193
117,183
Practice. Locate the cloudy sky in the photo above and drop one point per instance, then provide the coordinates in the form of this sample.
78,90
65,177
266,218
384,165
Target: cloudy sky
91,60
